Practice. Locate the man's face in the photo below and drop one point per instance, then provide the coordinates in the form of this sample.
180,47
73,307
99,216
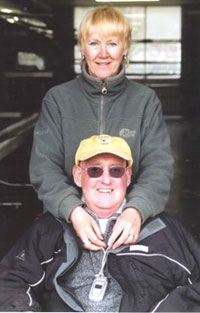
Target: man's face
104,194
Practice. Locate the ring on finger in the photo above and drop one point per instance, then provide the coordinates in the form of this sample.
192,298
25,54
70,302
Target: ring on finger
131,237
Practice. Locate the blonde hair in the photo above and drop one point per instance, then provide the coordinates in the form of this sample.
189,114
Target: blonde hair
106,21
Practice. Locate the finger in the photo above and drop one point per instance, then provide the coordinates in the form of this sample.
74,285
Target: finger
126,236
115,234
95,241
121,228
88,237
131,239
89,246
97,230
92,237
123,239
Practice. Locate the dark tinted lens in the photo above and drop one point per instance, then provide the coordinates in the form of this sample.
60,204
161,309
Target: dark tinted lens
94,171
116,171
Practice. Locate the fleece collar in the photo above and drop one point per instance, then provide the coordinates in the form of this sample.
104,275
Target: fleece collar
115,85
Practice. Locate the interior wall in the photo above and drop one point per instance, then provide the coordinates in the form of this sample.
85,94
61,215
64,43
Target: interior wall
190,83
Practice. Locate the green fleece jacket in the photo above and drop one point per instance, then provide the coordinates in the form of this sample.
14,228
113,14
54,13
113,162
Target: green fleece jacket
87,106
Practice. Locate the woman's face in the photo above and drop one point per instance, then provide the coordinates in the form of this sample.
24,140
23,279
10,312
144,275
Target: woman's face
104,55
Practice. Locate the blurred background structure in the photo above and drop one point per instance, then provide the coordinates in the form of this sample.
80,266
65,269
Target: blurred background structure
38,49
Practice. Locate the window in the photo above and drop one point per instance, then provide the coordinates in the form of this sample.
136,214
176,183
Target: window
30,59
156,41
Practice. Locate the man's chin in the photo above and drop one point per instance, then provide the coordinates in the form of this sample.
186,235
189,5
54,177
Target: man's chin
105,212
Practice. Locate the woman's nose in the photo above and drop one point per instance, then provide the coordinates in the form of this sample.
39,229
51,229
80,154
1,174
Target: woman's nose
103,51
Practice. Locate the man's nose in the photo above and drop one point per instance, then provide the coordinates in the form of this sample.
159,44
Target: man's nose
106,178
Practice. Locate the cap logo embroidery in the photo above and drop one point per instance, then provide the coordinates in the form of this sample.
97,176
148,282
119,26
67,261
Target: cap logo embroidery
103,139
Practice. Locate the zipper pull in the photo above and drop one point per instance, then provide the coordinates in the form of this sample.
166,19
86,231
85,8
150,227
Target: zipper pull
104,89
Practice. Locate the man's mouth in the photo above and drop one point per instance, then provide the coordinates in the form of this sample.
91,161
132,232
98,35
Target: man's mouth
108,190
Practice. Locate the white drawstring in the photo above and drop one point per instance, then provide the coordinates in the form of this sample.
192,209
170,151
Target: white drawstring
103,263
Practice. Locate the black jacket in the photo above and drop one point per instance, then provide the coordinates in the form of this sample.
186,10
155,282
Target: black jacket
159,273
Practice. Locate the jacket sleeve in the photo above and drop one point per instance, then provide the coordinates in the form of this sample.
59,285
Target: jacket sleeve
186,296
150,191
47,172
21,270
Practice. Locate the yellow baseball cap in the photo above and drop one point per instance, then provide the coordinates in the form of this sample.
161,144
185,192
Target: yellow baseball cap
103,144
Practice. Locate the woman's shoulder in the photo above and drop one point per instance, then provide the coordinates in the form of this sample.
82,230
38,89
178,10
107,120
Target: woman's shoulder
141,92
140,87
66,87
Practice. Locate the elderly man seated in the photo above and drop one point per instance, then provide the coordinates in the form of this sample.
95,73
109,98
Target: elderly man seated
48,269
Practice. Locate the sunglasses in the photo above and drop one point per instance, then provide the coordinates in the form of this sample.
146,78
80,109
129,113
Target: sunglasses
97,171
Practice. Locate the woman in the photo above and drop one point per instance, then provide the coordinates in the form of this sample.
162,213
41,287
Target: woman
102,100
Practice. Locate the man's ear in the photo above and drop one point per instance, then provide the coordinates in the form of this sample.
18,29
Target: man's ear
128,175
77,173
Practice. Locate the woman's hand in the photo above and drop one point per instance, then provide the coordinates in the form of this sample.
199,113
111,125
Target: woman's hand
87,229
126,229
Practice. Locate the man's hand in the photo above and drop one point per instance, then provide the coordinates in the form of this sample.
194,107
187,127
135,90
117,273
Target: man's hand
87,229
126,229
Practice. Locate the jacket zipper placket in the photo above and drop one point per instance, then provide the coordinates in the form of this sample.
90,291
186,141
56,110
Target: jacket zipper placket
66,289
109,251
104,91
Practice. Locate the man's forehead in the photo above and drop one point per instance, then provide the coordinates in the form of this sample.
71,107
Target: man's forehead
104,158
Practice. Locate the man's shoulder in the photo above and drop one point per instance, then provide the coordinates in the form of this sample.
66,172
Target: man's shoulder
47,224
170,226
165,219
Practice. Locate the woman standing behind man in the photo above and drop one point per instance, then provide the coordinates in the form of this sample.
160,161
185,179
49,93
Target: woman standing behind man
102,101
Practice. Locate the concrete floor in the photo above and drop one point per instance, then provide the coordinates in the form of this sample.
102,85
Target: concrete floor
184,200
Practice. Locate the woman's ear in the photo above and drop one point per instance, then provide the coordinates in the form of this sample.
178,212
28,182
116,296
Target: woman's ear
77,173
125,51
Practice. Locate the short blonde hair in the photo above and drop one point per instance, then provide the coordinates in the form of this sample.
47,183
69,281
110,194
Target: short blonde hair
106,21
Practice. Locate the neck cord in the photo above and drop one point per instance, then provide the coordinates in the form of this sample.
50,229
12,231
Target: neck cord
103,263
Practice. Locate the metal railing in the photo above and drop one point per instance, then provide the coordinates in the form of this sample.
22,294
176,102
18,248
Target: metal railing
13,136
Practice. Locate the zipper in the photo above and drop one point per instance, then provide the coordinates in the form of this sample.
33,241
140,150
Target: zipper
157,255
104,91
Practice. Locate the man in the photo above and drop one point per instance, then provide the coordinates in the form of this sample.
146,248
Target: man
48,269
